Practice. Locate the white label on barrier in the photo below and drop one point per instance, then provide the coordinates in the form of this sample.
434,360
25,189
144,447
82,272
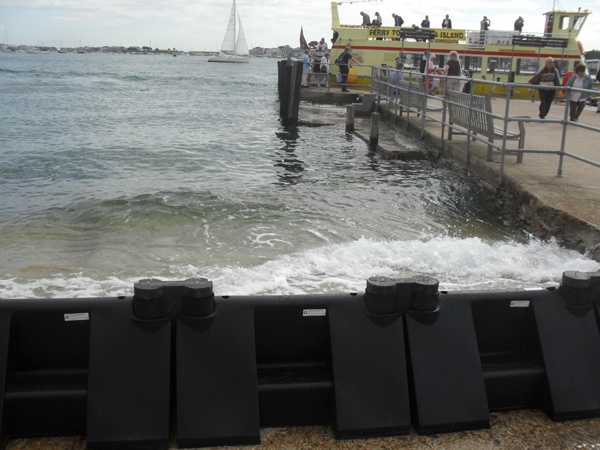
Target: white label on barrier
519,304
314,312
76,316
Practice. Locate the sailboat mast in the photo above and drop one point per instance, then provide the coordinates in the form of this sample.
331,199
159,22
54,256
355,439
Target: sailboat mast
235,19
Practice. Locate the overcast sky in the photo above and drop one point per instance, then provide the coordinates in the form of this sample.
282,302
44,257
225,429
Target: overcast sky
200,25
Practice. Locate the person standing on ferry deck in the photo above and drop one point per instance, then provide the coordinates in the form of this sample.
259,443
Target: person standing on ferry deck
425,22
546,76
447,22
519,24
579,80
366,20
398,21
377,20
485,24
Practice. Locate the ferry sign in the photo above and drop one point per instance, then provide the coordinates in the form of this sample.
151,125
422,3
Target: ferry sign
451,35
533,41
384,32
419,33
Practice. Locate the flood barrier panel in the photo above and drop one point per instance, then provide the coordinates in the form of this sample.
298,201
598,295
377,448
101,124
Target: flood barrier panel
177,362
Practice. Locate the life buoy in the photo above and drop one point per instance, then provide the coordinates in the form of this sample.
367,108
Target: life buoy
352,78
581,52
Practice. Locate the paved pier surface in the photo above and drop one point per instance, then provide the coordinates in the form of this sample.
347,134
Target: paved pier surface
565,207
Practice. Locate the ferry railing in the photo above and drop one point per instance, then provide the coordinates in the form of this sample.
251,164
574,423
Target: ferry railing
387,94
335,72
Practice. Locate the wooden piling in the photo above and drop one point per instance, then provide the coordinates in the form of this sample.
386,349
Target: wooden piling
374,134
349,118
290,78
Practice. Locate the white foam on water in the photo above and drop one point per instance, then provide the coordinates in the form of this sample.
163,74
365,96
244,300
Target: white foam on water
458,264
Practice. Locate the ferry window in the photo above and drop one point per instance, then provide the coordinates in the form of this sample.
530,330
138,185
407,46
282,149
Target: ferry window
562,65
578,22
472,64
498,65
563,24
593,66
415,59
412,60
529,65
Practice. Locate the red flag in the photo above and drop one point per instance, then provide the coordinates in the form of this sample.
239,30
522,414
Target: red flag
303,44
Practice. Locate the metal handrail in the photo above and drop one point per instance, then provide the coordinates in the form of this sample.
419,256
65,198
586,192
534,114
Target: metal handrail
382,86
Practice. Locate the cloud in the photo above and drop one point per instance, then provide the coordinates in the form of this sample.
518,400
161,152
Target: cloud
200,25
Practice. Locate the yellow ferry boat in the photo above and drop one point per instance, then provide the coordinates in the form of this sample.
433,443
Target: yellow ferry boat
504,56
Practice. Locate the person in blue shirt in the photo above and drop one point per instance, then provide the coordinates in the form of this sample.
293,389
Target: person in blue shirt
396,76
305,67
398,21
425,22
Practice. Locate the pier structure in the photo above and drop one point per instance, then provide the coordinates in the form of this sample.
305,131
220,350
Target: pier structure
552,195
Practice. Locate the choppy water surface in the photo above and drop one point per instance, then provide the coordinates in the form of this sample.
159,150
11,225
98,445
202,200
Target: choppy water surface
121,167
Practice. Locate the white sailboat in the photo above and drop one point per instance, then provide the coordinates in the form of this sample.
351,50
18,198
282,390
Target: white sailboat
234,48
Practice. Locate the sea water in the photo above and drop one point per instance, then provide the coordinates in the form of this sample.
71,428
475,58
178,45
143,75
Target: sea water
116,168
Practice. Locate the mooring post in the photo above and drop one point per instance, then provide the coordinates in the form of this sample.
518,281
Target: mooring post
282,83
290,74
294,93
374,134
350,118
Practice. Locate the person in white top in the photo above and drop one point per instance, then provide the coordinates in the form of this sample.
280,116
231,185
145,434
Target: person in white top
325,69
579,80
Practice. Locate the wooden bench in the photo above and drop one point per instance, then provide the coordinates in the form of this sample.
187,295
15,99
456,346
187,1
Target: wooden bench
474,114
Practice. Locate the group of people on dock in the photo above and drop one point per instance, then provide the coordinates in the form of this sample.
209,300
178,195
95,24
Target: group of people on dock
316,61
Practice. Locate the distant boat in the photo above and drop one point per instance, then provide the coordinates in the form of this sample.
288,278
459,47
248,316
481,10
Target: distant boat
234,48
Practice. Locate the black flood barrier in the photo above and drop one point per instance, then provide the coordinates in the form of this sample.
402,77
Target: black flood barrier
177,362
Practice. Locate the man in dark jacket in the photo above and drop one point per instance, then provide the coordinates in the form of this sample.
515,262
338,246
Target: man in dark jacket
519,24
343,64
366,20
546,76
447,22
398,21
